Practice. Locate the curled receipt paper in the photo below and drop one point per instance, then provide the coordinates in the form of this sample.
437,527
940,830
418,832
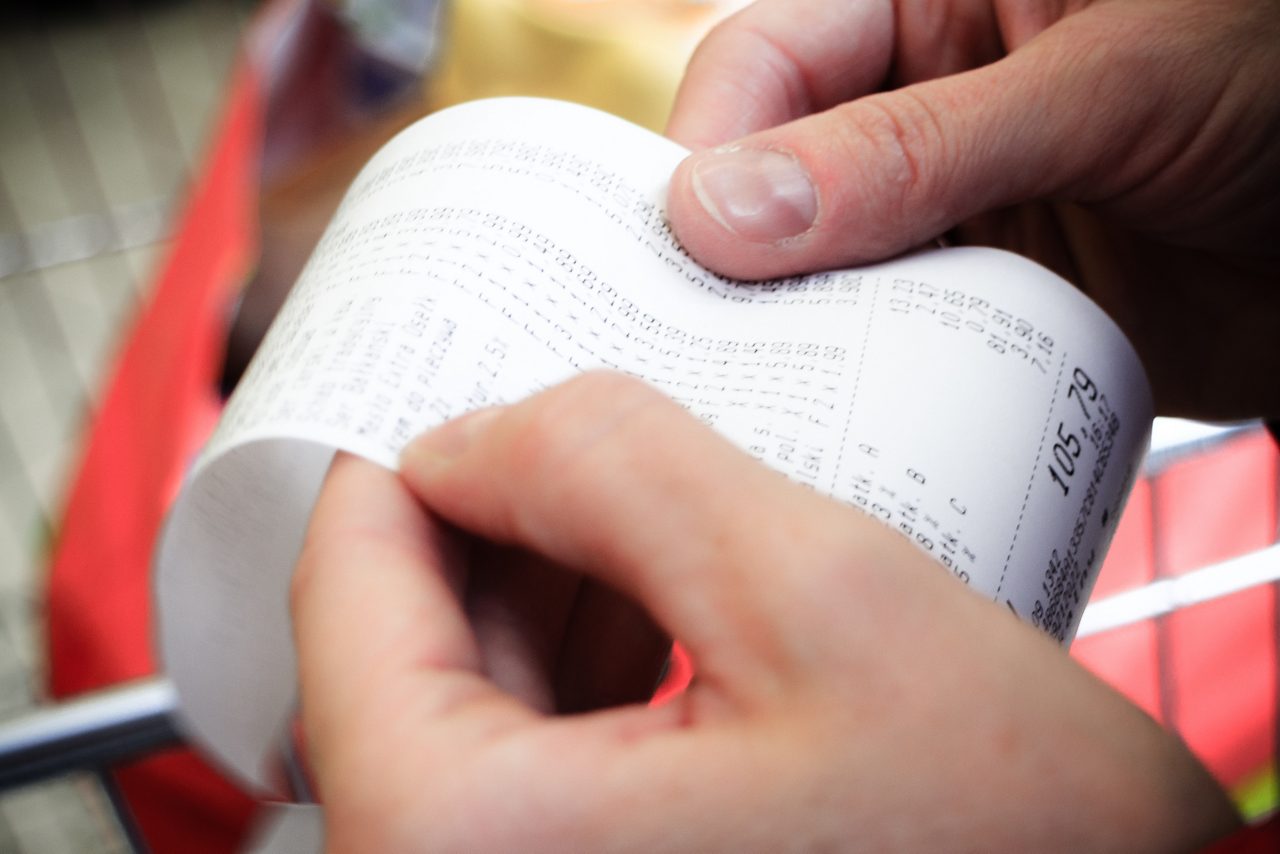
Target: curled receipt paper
968,398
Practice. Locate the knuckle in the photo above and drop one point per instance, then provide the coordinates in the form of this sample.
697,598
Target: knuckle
900,137
553,439
769,72
558,422
599,385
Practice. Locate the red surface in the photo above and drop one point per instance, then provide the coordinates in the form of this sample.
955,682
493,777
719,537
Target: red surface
1220,660
1262,839
679,675
1217,505
1126,658
1209,671
157,410
1130,562
1223,684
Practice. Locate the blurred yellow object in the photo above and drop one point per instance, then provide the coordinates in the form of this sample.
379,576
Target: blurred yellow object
622,56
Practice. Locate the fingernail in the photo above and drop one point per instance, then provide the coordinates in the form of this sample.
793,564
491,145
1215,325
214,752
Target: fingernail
763,196
436,449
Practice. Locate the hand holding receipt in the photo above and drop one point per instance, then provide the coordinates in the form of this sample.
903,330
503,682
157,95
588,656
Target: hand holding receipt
967,398
849,694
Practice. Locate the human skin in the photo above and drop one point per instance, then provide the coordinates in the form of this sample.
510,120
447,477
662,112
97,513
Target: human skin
475,635
1128,144
850,695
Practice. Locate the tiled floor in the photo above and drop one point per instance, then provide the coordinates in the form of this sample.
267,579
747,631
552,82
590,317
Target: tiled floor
102,119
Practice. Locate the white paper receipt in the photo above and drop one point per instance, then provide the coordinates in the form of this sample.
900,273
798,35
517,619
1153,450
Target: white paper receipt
967,398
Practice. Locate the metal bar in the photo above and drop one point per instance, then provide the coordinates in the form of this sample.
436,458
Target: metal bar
1177,439
125,822
1169,594
294,767
89,733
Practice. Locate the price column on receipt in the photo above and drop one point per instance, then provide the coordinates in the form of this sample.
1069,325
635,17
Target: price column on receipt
997,422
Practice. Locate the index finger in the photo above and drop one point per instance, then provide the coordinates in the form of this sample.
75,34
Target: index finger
778,60
377,615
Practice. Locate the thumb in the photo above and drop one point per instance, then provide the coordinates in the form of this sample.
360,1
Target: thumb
885,173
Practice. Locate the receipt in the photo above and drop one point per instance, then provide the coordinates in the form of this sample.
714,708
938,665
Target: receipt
967,398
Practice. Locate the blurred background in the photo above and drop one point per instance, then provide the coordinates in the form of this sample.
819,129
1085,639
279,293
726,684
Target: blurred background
110,113
105,111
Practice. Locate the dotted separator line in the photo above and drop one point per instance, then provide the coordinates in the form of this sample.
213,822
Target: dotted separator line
1035,467
853,394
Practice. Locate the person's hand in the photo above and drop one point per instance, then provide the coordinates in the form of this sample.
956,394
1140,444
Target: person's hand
850,695
1131,145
